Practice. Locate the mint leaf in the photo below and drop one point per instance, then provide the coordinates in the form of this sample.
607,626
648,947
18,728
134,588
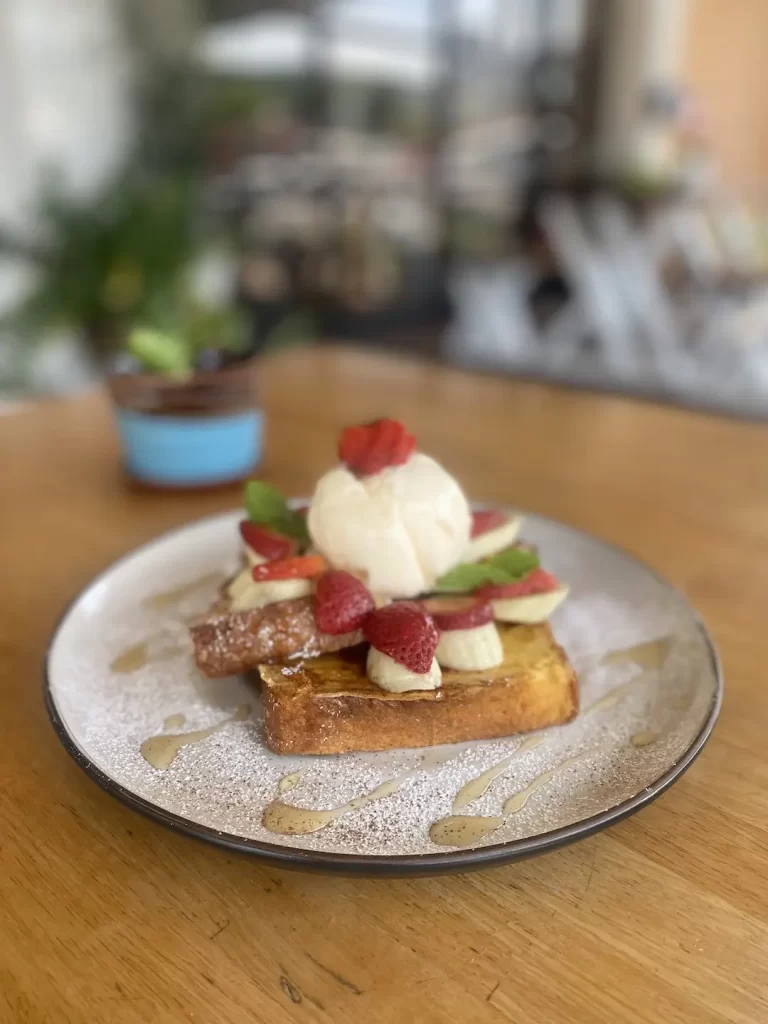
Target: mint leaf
508,566
470,576
266,506
516,562
264,503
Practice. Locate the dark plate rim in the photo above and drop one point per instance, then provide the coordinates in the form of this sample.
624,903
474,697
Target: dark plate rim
382,864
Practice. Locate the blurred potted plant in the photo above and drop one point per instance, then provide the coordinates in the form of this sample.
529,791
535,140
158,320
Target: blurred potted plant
154,307
185,393
133,273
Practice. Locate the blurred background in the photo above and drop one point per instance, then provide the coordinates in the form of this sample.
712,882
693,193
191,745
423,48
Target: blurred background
573,190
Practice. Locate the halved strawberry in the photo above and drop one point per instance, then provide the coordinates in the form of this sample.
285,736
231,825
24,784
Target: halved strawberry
487,519
265,542
299,568
371,447
405,632
538,581
342,602
458,612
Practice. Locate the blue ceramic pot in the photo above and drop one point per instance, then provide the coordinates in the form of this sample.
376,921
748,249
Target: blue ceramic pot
200,432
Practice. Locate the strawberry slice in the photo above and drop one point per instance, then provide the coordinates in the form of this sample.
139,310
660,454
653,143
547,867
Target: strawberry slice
371,447
352,445
538,581
301,567
487,519
265,542
458,612
342,602
405,632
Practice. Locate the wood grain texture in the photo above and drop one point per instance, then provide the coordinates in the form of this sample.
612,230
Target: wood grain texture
106,917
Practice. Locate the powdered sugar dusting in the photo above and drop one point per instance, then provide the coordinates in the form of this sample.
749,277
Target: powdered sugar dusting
226,780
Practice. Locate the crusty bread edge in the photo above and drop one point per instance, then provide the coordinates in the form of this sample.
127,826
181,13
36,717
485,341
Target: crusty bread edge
300,721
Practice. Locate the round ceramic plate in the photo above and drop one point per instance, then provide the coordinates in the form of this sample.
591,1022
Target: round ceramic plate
128,703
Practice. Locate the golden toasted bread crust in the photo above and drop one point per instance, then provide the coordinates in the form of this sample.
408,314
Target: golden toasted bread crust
327,705
228,643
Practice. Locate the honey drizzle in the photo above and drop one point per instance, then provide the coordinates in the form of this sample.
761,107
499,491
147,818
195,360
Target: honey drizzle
160,750
287,820
615,695
169,598
643,739
649,655
464,830
476,787
289,782
138,655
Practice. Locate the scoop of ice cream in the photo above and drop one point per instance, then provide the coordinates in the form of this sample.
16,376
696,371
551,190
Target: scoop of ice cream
398,529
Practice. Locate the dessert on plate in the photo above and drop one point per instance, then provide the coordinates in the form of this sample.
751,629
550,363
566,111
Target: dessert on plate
388,613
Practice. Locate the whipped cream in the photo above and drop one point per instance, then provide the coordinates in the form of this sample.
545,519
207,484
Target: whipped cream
398,530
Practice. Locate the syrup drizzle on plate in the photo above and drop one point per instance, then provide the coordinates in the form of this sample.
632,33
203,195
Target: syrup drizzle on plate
160,750
170,598
649,655
158,647
475,788
289,782
287,820
145,652
463,830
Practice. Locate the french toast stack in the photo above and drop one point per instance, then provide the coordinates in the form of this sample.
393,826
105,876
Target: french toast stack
348,663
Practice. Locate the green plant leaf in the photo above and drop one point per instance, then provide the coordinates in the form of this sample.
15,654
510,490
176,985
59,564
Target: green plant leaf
509,566
266,506
158,351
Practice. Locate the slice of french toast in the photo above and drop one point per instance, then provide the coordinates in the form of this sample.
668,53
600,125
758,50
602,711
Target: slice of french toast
230,643
327,705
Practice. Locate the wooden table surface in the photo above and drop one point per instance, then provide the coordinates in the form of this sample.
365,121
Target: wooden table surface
106,917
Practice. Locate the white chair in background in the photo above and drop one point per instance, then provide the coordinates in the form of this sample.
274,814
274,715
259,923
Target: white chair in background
685,228
658,321
738,235
597,307
728,329
709,348
493,324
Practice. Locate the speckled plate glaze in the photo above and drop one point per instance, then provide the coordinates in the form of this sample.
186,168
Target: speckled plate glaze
120,681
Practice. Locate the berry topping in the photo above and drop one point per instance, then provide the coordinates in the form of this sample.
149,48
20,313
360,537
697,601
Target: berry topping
265,542
404,632
458,612
487,519
538,581
301,567
371,447
342,602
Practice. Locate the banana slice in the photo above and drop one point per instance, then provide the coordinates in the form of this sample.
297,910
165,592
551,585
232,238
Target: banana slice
391,675
493,541
245,593
470,649
253,557
240,584
531,608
